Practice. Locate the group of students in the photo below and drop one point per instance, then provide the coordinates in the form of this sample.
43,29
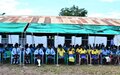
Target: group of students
96,54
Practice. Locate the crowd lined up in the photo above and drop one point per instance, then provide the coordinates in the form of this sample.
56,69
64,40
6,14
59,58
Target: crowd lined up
68,54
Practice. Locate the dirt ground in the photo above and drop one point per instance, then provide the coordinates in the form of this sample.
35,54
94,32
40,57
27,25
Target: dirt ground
7,69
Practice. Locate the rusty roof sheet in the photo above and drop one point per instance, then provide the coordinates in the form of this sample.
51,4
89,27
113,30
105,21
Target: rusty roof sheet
60,20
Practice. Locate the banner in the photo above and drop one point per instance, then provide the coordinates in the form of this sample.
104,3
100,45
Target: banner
40,40
59,40
29,39
76,40
13,39
116,40
97,40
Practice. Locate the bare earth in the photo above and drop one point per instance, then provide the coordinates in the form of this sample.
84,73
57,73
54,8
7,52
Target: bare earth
7,69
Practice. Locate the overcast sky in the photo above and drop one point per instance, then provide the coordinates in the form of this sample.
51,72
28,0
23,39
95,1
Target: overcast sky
96,8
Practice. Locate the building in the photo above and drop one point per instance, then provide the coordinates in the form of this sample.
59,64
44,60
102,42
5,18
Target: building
51,26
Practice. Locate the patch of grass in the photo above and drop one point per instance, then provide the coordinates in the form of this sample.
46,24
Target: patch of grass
8,69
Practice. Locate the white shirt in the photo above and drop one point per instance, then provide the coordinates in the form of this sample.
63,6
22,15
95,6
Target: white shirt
50,51
27,51
40,51
15,51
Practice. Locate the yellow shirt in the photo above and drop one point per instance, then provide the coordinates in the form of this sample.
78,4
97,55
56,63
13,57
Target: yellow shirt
95,51
83,51
78,50
99,51
89,51
61,52
70,52
73,50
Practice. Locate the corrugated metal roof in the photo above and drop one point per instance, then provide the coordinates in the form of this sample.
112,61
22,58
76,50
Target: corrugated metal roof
60,20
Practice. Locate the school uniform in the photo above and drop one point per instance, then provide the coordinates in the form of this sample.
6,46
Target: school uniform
71,55
61,52
94,54
38,54
83,54
27,55
50,51
16,54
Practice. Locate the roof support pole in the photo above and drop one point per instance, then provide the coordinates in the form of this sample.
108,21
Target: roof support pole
57,53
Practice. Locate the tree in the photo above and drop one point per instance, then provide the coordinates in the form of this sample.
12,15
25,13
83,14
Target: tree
73,11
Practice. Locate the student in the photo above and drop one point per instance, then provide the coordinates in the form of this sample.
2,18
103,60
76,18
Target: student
32,48
16,53
27,54
95,56
61,51
118,55
113,54
38,54
50,53
2,50
79,48
83,56
105,56
71,52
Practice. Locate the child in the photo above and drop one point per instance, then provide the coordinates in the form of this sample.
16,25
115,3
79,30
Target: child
38,54
16,53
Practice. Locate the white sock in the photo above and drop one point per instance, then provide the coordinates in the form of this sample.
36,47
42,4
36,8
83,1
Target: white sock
38,60
13,61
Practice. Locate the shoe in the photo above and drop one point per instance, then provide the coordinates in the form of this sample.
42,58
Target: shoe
17,62
14,62
39,65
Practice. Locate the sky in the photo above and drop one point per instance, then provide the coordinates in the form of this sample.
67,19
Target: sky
95,8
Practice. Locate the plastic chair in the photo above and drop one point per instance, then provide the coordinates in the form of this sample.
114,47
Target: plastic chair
1,58
94,57
19,59
83,56
102,57
64,57
6,55
31,57
50,57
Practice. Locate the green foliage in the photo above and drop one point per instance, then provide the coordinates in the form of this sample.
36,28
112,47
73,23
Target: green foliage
73,11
